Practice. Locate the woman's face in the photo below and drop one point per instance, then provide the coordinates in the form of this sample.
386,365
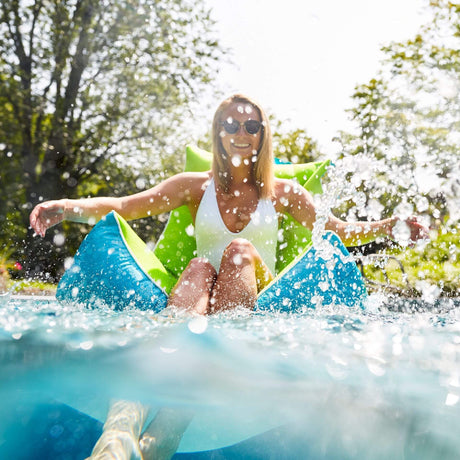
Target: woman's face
242,143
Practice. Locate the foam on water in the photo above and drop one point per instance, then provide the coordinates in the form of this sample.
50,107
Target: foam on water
370,383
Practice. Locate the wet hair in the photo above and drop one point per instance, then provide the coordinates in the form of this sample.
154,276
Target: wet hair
262,168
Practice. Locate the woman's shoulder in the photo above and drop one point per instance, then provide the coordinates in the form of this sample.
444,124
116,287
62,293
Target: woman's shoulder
192,178
285,187
288,193
192,184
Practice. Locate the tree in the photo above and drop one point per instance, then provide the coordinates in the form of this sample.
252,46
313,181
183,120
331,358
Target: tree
408,125
86,86
295,145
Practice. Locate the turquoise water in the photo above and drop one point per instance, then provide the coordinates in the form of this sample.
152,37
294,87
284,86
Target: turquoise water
341,382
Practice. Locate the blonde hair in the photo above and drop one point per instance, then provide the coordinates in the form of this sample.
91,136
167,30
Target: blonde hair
263,167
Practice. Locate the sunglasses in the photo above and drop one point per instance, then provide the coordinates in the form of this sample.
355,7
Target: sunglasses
251,126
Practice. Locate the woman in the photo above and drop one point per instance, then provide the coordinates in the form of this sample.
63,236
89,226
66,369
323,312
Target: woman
235,208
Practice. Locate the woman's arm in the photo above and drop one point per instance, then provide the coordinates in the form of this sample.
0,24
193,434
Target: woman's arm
298,202
359,233
169,194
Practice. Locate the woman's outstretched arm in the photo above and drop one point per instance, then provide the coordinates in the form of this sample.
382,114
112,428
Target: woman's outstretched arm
298,202
169,194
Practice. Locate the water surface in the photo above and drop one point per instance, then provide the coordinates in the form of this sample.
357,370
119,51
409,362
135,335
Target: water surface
376,383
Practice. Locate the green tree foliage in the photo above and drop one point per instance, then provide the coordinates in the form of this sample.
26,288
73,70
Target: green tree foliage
429,271
408,126
295,145
91,89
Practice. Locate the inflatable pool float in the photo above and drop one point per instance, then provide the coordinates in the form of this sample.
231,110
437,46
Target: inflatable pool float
114,267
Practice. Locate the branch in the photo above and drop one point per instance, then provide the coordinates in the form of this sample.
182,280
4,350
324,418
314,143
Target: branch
36,12
80,60
93,164
24,60
61,55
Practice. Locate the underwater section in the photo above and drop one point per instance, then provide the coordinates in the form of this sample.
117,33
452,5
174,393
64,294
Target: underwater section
331,382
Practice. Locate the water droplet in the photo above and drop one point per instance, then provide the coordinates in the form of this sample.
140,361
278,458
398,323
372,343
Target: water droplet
237,259
140,183
236,161
430,292
324,286
59,239
168,350
86,345
198,325
404,210
401,233
452,399
422,204
376,368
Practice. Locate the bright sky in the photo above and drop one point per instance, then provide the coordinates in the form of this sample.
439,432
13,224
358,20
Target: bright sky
301,59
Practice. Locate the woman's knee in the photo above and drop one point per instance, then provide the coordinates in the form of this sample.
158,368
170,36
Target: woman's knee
240,252
201,266
194,287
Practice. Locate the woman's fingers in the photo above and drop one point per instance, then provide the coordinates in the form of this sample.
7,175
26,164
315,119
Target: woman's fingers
45,215
418,230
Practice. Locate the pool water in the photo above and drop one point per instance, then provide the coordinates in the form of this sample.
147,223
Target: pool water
332,383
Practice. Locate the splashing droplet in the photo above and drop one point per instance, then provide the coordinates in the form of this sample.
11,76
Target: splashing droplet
198,325
236,161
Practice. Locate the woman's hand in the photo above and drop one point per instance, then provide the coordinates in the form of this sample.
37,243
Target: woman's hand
409,230
417,230
47,214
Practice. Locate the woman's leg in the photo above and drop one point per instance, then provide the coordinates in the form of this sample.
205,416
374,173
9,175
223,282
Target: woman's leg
120,436
162,436
122,430
193,290
239,276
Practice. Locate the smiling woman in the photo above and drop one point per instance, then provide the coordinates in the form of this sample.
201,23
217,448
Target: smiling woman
233,144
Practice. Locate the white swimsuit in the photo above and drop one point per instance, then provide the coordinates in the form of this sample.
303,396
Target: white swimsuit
213,236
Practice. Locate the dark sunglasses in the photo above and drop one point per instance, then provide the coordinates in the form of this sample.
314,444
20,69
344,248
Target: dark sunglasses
251,126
